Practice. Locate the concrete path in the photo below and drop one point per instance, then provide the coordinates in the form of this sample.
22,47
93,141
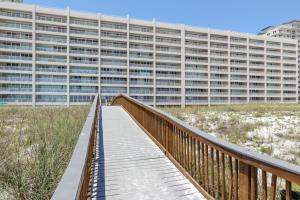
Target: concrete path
130,166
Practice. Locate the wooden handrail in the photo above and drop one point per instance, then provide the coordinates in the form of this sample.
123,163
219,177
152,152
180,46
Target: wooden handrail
75,182
219,169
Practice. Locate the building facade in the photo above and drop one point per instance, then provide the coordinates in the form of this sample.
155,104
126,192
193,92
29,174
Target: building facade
61,57
289,30
12,1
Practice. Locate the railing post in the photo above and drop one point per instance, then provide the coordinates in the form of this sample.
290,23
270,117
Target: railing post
244,181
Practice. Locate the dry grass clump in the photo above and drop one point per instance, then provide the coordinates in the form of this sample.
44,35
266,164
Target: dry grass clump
35,147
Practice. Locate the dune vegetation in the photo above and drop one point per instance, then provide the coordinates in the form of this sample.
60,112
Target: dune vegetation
35,147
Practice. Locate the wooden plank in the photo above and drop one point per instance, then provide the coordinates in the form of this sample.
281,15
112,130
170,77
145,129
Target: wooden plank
264,186
212,175
236,179
218,174
203,165
199,162
195,159
187,152
191,156
244,183
223,189
179,147
206,169
273,187
253,183
230,177
288,190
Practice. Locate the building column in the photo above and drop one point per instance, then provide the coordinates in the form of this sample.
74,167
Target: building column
228,68
154,63
68,56
182,65
297,71
33,56
265,61
248,77
99,55
208,67
281,73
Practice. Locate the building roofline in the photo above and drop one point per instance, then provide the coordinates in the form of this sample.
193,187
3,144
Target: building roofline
84,14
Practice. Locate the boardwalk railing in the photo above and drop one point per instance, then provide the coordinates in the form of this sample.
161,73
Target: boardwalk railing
219,170
76,179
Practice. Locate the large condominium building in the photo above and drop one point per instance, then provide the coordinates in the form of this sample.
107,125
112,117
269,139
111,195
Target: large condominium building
12,1
51,56
290,30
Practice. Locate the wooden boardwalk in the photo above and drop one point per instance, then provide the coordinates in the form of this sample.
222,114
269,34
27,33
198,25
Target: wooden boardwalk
128,165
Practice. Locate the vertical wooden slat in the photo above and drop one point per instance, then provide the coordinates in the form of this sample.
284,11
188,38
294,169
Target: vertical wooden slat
288,190
230,177
212,178
253,183
179,147
218,174
203,165
176,143
273,187
264,186
244,184
236,179
206,168
199,162
192,156
187,151
223,189
194,169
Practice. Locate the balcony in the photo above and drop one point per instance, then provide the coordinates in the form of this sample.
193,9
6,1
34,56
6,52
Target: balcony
15,25
17,67
50,80
15,35
16,78
113,82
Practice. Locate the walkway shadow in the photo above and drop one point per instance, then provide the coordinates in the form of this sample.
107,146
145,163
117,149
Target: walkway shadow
99,169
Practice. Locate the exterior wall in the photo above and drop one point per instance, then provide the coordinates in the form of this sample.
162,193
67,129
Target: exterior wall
54,57
12,1
289,30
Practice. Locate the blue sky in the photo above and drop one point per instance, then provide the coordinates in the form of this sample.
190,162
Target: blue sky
235,15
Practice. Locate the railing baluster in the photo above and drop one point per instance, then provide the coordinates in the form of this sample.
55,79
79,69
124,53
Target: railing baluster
187,152
253,183
288,190
273,187
195,159
223,176
203,165
244,181
191,154
218,174
206,168
199,162
212,178
236,179
264,186
183,149
230,177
